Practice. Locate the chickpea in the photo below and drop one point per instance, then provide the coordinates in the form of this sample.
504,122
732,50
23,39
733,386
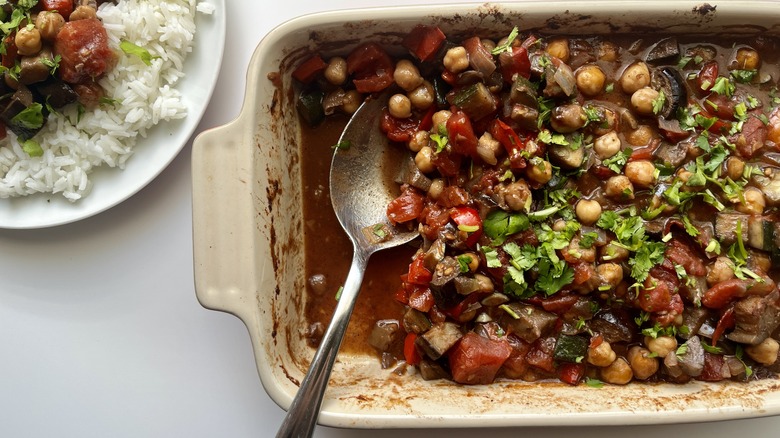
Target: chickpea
634,77
539,170
574,250
424,160
400,106
662,345
336,71
613,253
642,100
436,189
351,102
588,211
419,139
28,41
456,59
759,260
607,145
473,260
641,173
640,136
422,96
406,75
440,119
488,148
485,283
559,48
559,225
764,353
720,270
601,355
590,79
611,274
608,52
735,167
517,195
83,12
642,364
490,44
620,188
754,201
568,118
49,24
618,372
747,59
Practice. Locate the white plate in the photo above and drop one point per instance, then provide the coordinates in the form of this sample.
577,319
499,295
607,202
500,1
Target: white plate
152,154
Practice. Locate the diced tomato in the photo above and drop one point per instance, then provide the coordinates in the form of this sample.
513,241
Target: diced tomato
421,299
424,41
541,354
63,7
583,272
464,304
656,294
514,62
475,360
680,253
371,68
411,355
558,303
309,69
453,196
516,365
467,219
400,130
406,207
402,295
726,321
642,153
84,51
571,373
715,368
426,123
418,274
461,134
448,164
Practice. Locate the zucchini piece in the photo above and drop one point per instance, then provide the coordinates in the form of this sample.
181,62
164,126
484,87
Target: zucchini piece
570,348
476,101
309,106
523,92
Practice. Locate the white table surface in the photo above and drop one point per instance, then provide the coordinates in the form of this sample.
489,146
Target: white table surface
101,334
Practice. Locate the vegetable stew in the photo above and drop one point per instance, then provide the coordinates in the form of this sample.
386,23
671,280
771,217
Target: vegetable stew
593,210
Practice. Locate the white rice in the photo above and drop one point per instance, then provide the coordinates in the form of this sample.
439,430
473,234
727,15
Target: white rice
145,96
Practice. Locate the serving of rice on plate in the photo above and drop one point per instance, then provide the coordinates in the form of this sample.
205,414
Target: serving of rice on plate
139,96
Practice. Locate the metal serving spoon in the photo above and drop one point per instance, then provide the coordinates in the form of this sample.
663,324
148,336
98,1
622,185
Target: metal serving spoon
361,186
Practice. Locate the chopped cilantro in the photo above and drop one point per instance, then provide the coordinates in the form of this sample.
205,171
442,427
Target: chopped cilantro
507,46
32,148
616,162
343,144
744,76
723,86
440,140
659,102
134,50
500,224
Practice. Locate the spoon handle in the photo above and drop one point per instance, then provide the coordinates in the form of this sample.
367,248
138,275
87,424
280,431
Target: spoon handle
303,413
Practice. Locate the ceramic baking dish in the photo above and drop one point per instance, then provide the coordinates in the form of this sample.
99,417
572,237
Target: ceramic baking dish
247,221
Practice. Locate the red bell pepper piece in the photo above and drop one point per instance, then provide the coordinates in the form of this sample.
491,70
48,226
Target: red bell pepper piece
418,273
467,219
571,373
461,134
424,41
514,62
309,69
411,355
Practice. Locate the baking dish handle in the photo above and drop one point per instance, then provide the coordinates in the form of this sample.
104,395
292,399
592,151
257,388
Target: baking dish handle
220,217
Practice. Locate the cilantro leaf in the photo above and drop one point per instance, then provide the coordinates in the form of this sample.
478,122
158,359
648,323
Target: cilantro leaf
134,50
500,224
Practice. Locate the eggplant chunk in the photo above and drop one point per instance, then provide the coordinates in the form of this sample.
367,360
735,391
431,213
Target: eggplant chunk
528,322
665,50
385,334
756,318
770,187
566,157
691,359
440,338
670,82
445,271
671,154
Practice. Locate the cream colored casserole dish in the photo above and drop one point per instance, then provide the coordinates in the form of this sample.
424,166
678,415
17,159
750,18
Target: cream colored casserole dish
247,222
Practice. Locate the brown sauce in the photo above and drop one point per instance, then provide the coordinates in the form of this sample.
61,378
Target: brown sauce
329,251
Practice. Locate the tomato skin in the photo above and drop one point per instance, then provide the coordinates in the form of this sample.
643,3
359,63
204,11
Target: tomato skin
371,67
406,207
475,360
713,368
309,69
726,321
9,57
721,294
63,7
83,48
461,134
411,355
680,253
707,75
424,41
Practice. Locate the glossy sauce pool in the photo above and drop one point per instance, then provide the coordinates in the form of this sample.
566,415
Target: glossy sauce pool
329,251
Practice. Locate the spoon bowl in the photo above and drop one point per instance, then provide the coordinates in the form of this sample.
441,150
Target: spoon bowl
361,186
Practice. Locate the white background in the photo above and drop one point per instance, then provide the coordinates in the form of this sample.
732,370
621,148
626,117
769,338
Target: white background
101,334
